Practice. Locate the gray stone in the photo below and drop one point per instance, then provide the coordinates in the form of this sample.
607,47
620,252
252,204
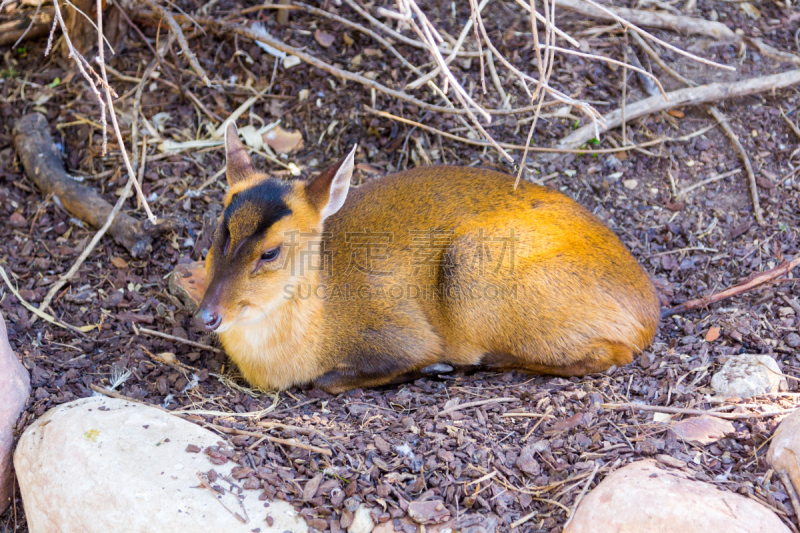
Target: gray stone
793,340
15,387
643,498
748,375
101,464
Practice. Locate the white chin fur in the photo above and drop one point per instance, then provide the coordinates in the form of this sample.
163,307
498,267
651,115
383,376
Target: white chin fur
250,315
223,327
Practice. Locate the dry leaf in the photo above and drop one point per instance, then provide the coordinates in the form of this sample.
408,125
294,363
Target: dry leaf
675,113
713,334
291,61
661,417
311,487
750,10
702,430
324,39
282,141
251,137
369,169
168,358
119,262
347,39
765,183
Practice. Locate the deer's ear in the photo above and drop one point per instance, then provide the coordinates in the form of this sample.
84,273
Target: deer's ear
328,191
239,165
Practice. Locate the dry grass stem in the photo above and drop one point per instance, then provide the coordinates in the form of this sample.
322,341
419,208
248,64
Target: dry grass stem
350,24
569,4
510,146
660,62
582,494
38,312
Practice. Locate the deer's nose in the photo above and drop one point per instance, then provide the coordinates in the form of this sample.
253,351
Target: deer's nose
208,319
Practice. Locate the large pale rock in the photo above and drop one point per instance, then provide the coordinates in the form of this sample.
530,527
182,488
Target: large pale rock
643,498
15,387
100,464
747,375
784,452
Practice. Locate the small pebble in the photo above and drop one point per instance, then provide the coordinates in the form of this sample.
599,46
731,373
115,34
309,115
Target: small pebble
630,184
793,340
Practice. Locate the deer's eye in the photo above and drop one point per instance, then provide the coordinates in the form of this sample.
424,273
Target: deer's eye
271,254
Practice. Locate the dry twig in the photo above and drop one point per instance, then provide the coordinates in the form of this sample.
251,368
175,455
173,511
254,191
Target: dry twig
696,412
32,309
42,162
286,442
723,122
791,490
178,339
651,19
582,494
753,281
176,30
477,403
690,96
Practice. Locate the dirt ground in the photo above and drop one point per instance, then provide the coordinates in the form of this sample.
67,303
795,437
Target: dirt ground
389,445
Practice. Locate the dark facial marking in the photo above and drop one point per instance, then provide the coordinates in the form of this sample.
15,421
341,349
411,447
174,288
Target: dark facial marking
253,211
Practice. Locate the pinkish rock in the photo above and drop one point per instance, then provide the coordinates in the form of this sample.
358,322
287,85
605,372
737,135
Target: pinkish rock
784,452
101,465
15,387
644,498
427,513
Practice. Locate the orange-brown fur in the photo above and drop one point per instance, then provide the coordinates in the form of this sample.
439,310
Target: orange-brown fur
582,303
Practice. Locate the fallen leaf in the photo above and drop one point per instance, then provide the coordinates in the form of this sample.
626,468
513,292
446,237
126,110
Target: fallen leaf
702,430
282,141
675,113
17,220
347,39
168,358
311,487
661,417
119,262
324,39
251,137
291,61
712,334
369,169
765,183
750,10
570,423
